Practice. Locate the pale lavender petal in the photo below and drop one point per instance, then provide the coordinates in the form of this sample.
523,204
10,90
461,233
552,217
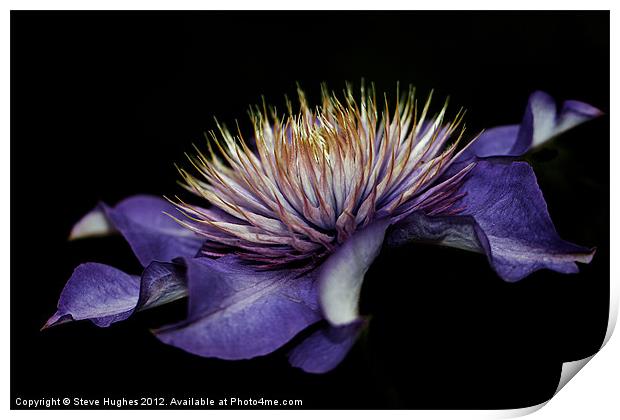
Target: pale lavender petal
239,312
105,295
341,276
94,223
324,349
141,219
548,122
541,122
505,217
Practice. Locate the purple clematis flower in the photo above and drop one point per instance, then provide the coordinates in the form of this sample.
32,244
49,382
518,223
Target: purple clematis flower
292,222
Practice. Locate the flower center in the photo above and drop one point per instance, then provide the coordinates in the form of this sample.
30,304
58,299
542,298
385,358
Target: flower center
311,178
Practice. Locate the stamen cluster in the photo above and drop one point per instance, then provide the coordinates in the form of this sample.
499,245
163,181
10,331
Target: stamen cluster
311,178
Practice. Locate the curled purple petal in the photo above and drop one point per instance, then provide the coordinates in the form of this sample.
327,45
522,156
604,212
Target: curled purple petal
341,276
104,294
540,123
324,349
161,283
143,222
239,312
97,292
504,216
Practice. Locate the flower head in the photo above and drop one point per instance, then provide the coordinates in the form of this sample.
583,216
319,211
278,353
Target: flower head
316,176
291,222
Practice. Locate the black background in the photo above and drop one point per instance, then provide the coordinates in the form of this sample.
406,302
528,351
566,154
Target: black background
103,103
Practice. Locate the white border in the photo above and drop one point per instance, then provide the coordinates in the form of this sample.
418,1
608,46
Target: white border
593,395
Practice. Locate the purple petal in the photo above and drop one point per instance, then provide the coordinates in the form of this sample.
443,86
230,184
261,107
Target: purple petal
323,350
105,295
496,141
239,312
505,217
540,123
141,219
161,283
341,276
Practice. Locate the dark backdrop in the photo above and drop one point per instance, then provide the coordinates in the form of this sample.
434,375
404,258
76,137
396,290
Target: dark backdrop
102,104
